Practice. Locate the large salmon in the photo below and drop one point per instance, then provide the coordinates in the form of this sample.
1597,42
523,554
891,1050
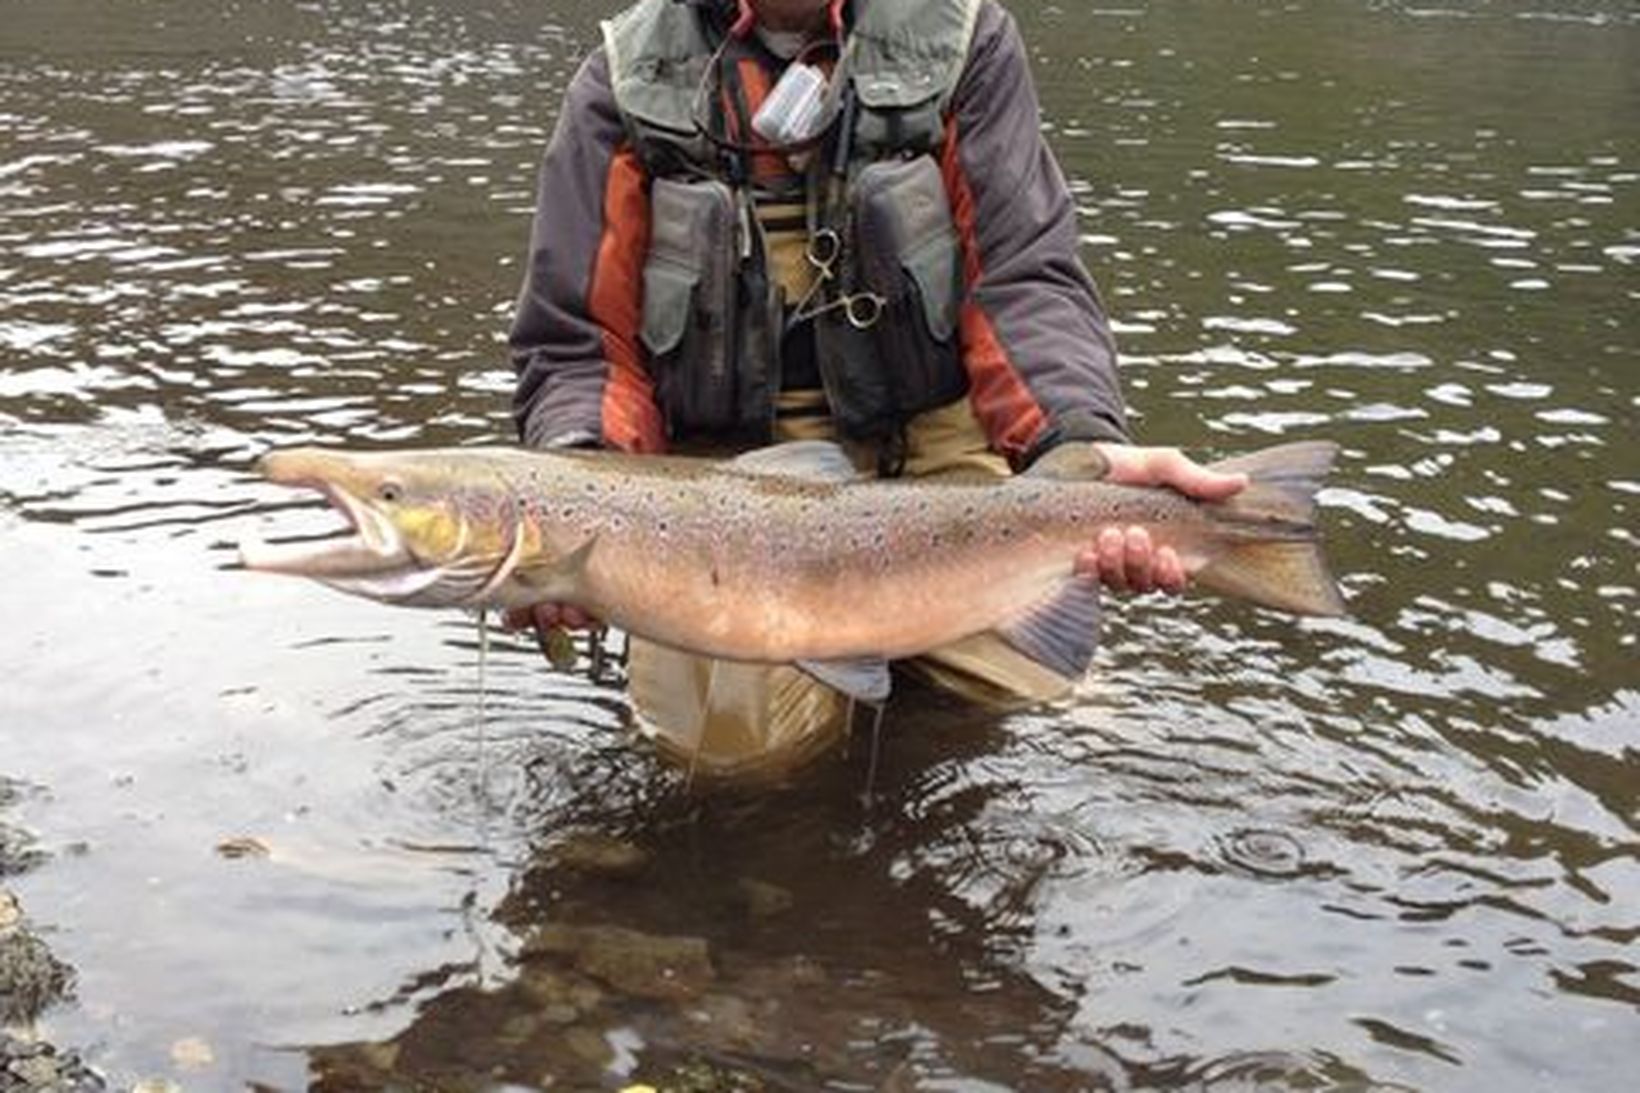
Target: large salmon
785,554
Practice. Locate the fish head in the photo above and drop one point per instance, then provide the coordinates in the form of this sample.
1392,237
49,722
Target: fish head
420,530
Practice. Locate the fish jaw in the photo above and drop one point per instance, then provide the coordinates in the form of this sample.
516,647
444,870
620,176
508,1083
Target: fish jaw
375,550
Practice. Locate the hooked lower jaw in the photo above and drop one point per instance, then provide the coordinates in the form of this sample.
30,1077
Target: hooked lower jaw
374,548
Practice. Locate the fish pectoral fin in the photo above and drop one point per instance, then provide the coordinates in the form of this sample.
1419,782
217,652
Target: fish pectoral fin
554,573
1060,632
813,460
1072,462
864,679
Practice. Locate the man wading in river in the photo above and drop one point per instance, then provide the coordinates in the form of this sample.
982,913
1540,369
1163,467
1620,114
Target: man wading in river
767,220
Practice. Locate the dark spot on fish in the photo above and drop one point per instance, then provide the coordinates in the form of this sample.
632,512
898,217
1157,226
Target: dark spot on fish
715,579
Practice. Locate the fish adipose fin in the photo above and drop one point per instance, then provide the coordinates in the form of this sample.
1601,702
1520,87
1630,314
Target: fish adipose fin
1274,558
1061,632
813,460
864,679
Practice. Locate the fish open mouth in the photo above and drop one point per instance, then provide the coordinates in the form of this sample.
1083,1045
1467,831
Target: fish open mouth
370,544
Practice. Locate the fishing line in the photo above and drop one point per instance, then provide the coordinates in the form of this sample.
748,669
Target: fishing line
876,746
705,723
481,788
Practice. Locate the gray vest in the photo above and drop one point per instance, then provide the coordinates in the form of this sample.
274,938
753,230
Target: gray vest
711,319
907,56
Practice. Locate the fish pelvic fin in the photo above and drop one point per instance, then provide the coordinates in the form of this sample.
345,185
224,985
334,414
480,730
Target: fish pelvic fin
1274,555
864,679
1061,632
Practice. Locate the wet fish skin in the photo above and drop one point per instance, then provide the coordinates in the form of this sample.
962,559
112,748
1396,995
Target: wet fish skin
784,555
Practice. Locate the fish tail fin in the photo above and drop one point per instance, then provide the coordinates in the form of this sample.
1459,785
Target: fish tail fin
1273,556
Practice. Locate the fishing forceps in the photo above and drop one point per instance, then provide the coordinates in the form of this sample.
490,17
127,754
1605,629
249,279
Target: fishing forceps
861,309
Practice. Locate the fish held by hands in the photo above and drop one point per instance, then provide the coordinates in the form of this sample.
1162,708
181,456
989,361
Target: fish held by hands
786,554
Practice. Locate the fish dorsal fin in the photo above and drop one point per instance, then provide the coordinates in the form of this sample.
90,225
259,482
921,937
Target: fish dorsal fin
1061,631
813,460
1073,462
864,679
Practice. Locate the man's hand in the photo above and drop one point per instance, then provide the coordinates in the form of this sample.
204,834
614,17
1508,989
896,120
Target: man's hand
1125,558
545,616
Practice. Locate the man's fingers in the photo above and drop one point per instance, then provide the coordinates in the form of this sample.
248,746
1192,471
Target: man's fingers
1169,570
1171,467
1113,558
545,616
1137,559
1128,560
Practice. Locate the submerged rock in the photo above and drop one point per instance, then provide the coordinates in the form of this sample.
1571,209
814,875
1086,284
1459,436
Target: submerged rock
33,1066
192,1053
600,855
31,978
633,963
762,899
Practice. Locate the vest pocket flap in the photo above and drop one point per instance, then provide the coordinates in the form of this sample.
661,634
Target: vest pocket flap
902,86
934,267
668,299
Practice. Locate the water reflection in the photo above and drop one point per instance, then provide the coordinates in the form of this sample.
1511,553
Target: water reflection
1398,848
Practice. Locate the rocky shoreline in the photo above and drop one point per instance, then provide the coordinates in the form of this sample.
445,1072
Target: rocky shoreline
32,978
34,1066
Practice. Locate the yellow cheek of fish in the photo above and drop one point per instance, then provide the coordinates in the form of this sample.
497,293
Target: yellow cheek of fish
431,532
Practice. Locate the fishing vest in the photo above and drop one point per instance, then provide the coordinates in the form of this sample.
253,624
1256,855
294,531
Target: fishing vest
716,302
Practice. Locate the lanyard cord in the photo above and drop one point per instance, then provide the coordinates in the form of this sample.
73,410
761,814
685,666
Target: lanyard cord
701,116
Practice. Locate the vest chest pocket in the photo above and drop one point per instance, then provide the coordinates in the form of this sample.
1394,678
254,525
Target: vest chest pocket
906,243
688,322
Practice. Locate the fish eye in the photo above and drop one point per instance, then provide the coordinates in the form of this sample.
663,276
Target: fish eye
389,491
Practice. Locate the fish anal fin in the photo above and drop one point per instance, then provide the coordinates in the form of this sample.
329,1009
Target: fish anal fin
1061,632
811,460
864,679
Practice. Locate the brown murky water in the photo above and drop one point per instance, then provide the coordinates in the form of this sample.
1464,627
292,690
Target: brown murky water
1401,850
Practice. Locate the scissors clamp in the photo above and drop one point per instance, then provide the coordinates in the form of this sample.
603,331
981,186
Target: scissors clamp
861,309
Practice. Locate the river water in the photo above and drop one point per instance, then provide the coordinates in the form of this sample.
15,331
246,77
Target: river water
1399,850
